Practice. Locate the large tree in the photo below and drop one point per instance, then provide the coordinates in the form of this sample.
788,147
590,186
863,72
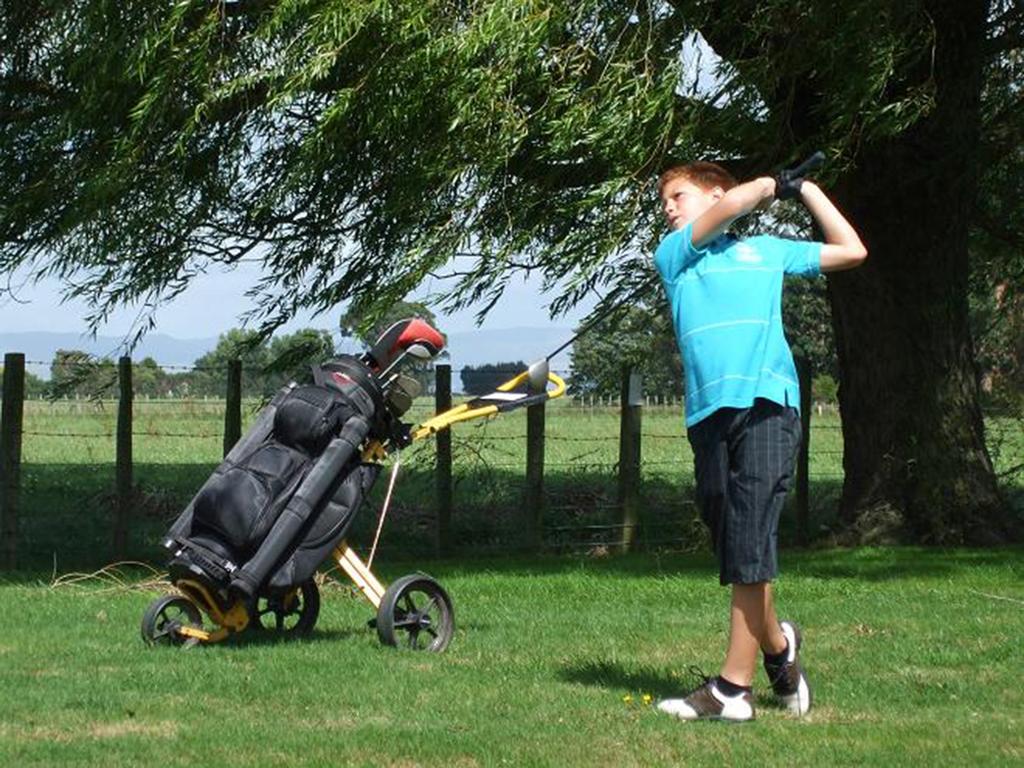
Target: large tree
266,365
640,337
209,373
355,147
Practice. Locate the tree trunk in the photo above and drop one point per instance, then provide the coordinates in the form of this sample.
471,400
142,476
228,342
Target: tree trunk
916,463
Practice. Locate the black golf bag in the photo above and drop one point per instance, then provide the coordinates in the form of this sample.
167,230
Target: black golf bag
289,490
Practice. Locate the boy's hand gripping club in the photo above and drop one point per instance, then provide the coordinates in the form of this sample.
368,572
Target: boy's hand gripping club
788,180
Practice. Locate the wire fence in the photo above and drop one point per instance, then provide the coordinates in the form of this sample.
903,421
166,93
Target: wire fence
72,485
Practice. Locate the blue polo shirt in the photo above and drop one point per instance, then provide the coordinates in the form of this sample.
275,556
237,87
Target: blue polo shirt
726,301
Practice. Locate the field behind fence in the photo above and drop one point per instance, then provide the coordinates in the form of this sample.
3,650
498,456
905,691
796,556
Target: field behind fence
75,511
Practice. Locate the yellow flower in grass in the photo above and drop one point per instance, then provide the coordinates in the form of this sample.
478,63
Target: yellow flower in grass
647,698
627,699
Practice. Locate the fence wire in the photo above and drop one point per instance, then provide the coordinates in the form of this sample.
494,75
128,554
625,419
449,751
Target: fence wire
71,493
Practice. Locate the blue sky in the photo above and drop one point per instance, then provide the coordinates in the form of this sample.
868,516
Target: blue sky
215,302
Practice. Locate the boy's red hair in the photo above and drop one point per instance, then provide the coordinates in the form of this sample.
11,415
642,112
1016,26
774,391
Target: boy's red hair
704,174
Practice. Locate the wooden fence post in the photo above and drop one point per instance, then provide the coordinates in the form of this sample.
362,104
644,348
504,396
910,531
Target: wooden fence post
803,370
442,402
124,457
11,425
629,455
233,406
535,476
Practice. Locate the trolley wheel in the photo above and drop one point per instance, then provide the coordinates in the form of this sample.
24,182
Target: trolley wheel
292,613
416,613
165,615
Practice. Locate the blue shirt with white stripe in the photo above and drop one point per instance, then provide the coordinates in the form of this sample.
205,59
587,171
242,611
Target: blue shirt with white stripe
726,301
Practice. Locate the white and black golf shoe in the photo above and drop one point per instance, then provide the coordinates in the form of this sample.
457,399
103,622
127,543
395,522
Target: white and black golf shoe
787,678
709,702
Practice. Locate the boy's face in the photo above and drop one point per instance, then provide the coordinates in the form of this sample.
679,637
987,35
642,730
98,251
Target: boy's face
682,201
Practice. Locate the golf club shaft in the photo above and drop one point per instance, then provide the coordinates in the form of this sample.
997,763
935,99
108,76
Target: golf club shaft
811,163
588,326
808,165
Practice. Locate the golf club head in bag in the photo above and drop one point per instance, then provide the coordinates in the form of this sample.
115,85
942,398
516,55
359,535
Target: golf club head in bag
413,337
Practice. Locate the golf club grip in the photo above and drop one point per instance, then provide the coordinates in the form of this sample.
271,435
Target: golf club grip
808,165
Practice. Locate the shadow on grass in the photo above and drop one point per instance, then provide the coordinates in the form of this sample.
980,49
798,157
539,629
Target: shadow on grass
895,563
67,514
865,564
612,675
256,638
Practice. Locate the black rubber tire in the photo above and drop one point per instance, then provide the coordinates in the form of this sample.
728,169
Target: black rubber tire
292,619
164,615
416,613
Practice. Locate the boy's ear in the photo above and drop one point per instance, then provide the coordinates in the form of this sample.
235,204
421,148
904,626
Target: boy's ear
717,192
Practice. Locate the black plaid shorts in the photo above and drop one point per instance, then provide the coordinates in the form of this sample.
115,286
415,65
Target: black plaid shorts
745,460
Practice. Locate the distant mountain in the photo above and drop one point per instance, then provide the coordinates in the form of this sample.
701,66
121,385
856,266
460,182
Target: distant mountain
464,347
39,348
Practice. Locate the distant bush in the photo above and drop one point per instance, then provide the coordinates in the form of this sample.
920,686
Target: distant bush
824,389
479,380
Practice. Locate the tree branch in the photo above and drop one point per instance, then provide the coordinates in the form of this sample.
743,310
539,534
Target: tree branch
997,229
1010,35
1012,13
1012,40
585,172
32,86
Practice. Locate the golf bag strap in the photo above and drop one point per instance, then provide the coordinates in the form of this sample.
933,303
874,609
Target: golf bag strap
207,554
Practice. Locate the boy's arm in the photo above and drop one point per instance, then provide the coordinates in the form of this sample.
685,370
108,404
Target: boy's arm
738,201
842,248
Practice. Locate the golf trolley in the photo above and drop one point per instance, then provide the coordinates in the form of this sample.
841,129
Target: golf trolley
245,550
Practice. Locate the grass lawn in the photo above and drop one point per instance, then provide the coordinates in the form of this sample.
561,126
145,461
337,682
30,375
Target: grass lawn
914,656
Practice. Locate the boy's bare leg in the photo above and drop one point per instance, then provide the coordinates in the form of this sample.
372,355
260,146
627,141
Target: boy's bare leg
752,626
772,641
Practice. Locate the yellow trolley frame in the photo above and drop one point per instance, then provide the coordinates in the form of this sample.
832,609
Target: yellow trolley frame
236,618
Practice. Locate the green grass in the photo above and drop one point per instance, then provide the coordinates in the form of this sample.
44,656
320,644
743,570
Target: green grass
67,507
914,656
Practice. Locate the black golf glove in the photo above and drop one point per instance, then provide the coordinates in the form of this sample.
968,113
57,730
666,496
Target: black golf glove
787,186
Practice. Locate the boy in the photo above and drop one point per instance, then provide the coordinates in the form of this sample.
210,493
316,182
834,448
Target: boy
741,404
